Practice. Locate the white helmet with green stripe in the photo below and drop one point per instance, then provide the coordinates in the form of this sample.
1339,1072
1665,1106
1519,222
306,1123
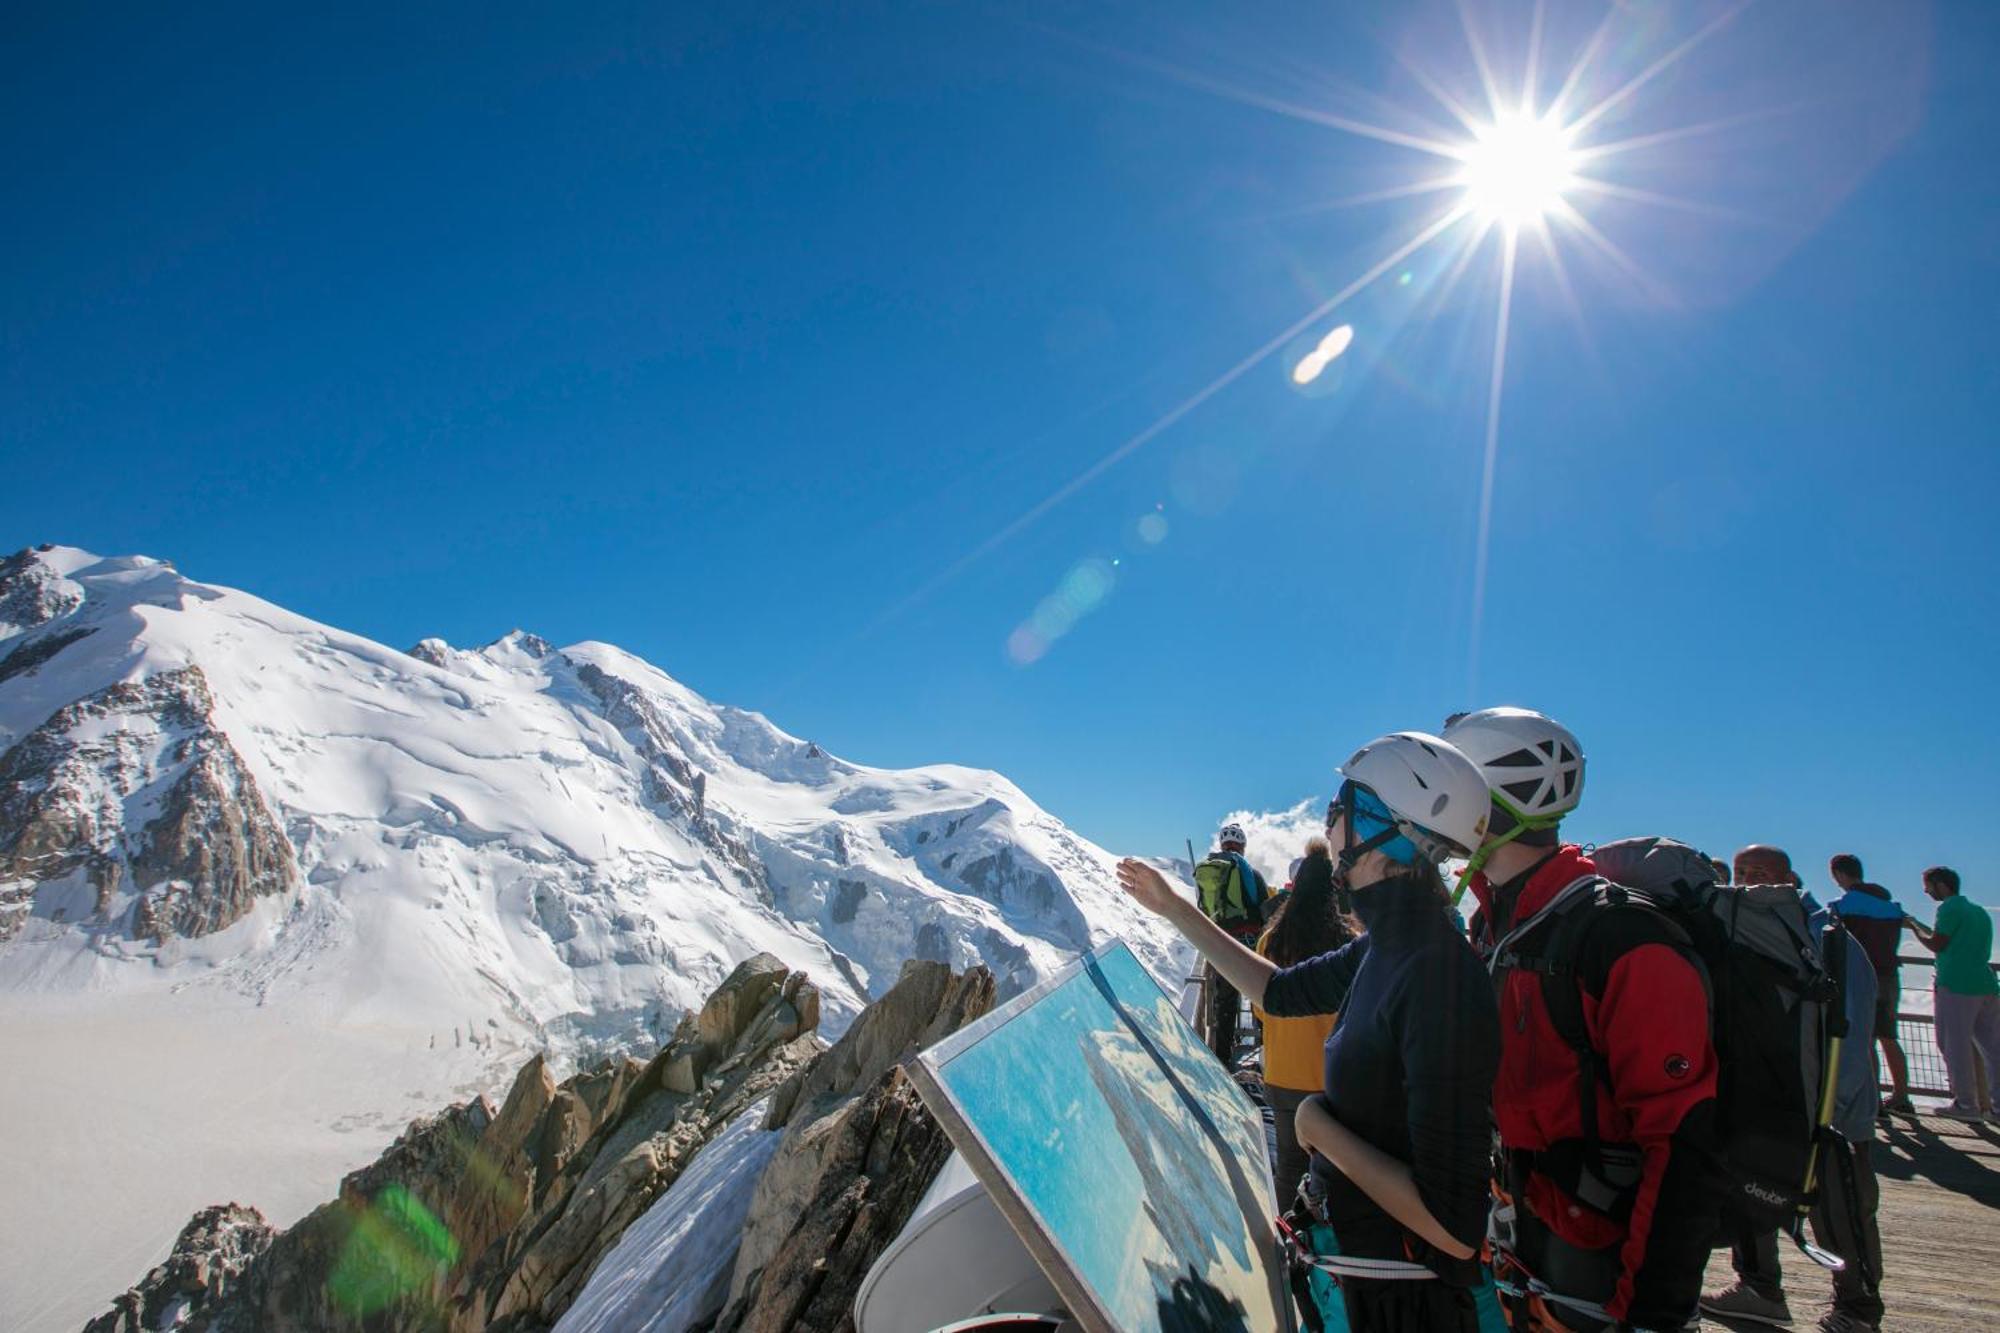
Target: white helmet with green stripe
1532,763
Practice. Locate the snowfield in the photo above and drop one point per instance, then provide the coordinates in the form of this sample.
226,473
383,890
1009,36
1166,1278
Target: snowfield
497,851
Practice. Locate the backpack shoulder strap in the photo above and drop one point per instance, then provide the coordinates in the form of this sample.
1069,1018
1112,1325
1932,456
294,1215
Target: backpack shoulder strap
1585,928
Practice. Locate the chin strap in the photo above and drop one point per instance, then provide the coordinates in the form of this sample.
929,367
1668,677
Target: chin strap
1521,824
1479,859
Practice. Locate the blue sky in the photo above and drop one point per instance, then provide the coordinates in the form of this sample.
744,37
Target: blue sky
727,339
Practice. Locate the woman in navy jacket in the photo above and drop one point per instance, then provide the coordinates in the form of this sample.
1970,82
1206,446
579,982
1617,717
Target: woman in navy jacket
1400,1135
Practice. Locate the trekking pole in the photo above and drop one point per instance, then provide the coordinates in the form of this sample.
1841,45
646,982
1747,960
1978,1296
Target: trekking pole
1834,945
1833,950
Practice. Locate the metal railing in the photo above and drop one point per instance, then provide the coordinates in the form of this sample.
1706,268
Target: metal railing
1916,1032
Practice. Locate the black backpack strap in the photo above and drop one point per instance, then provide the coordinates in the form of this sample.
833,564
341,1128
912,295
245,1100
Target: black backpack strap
1575,958
1562,996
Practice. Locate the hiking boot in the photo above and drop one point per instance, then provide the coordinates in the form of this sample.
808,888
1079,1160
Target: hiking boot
1743,1301
1897,1106
1962,1114
1839,1321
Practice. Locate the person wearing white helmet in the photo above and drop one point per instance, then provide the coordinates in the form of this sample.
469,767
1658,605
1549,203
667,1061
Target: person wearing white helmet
1608,1156
1399,1134
1534,768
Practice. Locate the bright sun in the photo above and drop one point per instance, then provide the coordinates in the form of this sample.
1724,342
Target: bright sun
1517,169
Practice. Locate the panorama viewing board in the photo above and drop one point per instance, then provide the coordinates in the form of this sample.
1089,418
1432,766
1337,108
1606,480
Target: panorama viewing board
1119,1149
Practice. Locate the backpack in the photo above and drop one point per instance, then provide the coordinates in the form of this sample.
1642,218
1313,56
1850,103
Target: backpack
1219,880
1772,1006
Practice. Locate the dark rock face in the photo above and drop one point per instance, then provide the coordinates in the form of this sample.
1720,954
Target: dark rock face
672,779
40,649
1005,882
848,895
213,848
878,1158
433,651
209,1257
931,944
858,1153
33,594
378,1256
479,1220
210,846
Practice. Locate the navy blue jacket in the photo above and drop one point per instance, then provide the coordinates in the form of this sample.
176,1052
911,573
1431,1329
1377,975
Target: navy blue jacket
1409,1068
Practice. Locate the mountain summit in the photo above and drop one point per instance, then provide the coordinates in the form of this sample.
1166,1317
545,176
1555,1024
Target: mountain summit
293,882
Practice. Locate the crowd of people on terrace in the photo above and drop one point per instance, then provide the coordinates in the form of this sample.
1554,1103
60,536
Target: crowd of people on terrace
1521,1118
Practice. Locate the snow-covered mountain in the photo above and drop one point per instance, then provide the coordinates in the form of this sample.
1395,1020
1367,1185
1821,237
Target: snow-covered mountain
266,888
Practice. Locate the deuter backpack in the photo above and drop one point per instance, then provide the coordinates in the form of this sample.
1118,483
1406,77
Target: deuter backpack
1219,882
1770,997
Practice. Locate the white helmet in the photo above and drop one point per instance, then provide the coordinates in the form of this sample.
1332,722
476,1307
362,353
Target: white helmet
1437,795
1532,763
1231,833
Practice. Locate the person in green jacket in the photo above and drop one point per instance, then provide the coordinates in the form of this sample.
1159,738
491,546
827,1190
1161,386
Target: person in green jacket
1968,995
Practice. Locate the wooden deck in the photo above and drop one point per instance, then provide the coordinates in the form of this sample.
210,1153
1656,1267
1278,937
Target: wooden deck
1940,1233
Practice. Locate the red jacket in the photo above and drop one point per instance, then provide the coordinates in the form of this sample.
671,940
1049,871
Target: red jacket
1650,1021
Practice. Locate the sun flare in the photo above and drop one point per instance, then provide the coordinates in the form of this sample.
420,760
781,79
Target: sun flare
1517,169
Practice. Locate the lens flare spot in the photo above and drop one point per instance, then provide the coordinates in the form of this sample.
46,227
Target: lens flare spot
1315,362
1053,618
1153,529
395,1249
1085,587
1025,647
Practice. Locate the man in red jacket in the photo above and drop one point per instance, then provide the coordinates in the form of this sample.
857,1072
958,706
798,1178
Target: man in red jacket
1605,1225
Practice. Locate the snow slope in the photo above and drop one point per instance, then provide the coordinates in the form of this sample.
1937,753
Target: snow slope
497,850
672,1266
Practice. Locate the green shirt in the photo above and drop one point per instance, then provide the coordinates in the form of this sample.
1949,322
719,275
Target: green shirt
1964,967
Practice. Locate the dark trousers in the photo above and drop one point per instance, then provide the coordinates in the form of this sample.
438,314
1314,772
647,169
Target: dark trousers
1225,1008
1848,1228
1754,1253
1294,1158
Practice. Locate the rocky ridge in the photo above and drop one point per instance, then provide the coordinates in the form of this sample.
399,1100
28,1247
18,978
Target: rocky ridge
482,1219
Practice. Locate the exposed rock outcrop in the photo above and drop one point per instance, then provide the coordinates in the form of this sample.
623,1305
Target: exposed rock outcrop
672,780
859,1152
434,651
208,1258
380,1254
753,1033
41,648
158,800
33,594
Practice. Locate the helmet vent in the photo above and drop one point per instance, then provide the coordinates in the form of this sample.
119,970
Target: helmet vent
1518,759
1524,792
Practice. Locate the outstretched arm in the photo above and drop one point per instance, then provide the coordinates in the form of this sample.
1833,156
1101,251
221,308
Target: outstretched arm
1240,967
1927,937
